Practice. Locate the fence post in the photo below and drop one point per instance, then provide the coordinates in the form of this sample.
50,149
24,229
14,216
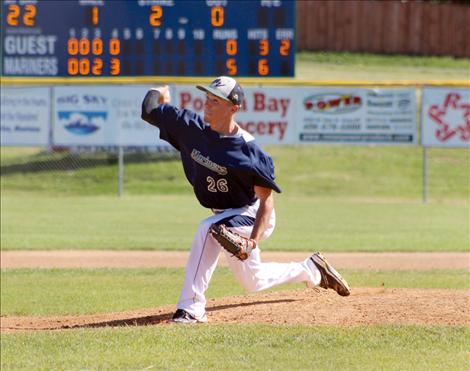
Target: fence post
425,175
121,171
50,139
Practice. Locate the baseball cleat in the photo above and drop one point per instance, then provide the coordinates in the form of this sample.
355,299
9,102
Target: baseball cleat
330,278
181,316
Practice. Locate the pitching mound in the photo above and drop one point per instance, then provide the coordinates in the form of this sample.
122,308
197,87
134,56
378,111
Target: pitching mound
365,306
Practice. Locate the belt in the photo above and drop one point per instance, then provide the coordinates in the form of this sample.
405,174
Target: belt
218,211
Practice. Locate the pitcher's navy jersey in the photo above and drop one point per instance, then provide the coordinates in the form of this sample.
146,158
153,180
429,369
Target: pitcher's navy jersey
223,170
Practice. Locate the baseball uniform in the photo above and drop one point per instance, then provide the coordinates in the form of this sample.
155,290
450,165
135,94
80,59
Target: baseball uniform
223,171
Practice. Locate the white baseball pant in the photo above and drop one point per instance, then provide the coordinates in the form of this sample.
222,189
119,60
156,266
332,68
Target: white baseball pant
252,274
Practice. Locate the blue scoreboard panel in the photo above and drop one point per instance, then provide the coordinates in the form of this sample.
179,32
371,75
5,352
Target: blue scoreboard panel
90,38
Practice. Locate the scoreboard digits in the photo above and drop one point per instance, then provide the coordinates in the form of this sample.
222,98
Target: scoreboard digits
15,18
91,38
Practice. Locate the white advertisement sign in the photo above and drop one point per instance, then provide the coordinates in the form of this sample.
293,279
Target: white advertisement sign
356,115
102,116
445,117
267,113
110,115
25,116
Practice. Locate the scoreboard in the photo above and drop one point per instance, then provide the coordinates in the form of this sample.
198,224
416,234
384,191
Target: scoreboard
92,38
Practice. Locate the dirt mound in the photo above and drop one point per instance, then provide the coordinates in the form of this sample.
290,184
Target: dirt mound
365,306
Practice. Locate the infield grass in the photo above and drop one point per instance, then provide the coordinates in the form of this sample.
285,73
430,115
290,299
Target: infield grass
89,291
235,347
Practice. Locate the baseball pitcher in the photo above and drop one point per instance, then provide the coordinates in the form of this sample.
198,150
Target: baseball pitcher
234,178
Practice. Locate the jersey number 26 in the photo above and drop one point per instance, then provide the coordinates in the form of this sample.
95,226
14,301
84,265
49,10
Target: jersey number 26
217,186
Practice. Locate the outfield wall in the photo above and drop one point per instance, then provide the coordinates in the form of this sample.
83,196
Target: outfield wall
392,27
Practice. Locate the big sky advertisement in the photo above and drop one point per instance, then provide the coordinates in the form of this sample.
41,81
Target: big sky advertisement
103,116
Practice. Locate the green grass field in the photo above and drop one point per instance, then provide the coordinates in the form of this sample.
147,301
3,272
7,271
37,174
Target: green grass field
169,222
61,291
321,171
236,347
373,67
334,199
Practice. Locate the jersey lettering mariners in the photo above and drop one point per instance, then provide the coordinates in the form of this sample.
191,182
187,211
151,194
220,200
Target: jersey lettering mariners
223,170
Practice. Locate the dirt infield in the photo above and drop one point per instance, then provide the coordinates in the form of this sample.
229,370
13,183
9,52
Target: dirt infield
148,259
365,306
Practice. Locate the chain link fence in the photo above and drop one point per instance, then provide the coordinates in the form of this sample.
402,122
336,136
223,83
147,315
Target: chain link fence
81,170
94,171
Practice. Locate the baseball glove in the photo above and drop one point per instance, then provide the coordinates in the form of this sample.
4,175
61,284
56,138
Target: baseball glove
235,244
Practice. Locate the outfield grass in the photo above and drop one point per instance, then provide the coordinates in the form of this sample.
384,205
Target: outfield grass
374,67
322,171
372,172
335,198
89,291
169,223
236,347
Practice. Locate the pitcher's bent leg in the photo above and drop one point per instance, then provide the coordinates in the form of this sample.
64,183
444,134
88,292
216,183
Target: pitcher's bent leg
256,276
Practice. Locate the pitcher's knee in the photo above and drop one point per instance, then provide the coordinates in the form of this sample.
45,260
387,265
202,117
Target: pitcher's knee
203,228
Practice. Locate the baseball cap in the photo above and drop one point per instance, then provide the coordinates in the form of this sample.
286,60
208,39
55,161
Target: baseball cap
226,88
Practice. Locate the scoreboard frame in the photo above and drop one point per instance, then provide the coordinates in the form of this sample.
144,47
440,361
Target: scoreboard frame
136,39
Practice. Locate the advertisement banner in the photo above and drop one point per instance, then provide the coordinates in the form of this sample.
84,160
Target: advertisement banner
110,115
267,113
25,116
356,115
102,116
445,117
